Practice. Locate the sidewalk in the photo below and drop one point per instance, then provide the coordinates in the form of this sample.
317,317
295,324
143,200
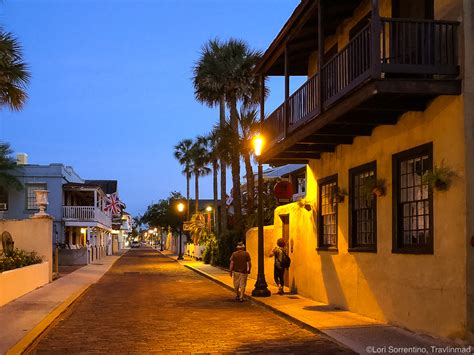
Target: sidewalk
359,333
29,315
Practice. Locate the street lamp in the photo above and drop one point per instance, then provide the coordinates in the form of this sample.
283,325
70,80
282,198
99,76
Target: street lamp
261,289
180,210
209,210
162,237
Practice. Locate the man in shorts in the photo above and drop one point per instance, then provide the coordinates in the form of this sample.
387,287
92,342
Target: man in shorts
240,266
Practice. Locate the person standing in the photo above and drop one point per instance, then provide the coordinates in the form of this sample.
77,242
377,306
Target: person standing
279,266
240,266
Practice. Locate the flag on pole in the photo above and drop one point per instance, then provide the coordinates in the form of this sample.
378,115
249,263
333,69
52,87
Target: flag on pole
113,204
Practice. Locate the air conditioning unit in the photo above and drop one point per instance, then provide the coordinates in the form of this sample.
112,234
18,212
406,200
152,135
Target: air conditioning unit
3,206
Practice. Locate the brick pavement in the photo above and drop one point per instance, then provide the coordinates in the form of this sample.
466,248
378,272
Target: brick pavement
148,303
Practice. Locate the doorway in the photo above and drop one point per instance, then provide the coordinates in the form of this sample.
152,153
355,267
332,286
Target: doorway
285,234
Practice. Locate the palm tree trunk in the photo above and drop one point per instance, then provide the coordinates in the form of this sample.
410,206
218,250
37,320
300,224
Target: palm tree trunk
223,214
215,168
235,160
250,183
188,177
196,191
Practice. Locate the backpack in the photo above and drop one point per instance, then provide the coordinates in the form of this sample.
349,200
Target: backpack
285,260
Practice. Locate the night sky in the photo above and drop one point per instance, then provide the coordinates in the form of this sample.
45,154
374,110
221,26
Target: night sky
111,92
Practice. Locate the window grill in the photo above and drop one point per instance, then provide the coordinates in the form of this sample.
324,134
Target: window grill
328,212
414,200
363,211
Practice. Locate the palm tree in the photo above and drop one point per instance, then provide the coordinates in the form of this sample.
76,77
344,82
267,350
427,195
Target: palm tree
208,81
240,85
182,152
210,143
199,161
14,74
249,125
7,166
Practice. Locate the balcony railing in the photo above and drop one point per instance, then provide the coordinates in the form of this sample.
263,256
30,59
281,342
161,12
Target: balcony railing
389,48
87,214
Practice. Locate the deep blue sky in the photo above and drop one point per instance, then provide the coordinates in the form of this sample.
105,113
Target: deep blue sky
111,92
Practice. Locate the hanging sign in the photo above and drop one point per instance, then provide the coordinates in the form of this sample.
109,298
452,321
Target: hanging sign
283,191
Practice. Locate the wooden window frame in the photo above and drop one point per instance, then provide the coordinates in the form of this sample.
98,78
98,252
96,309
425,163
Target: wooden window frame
353,247
397,236
321,246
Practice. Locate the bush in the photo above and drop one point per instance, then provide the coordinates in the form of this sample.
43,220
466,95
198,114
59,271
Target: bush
226,246
18,258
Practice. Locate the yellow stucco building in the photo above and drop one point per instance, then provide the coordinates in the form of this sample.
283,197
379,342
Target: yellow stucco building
388,101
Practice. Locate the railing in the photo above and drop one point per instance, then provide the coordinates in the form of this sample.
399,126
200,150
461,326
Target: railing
87,214
348,68
304,101
408,49
419,46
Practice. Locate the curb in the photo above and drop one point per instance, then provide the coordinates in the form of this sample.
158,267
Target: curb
39,329
28,339
274,310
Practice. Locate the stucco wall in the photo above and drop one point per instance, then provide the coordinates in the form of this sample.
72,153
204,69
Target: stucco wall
420,292
251,244
32,234
18,282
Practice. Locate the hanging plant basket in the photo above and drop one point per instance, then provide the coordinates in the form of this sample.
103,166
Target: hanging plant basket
440,178
338,195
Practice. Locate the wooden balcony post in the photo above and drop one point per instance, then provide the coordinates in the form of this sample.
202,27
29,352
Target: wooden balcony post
320,56
375,34
287,94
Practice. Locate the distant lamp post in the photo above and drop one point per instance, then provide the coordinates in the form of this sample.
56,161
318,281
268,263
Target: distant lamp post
162,238
261,289
209,210
180,211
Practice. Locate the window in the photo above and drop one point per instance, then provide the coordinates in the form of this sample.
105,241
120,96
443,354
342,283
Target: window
3,199
31,197
362,208
413,201
327,215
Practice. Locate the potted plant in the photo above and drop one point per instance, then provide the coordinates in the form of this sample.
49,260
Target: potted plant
378,187
337,195
439,178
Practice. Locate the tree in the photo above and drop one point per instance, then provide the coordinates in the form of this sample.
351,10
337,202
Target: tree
248,125
208,81
199,160
7,166
14,74
183,153
164,213
240,84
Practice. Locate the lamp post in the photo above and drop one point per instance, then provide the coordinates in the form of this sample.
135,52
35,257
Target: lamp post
209,210
180,210
260,289
161,239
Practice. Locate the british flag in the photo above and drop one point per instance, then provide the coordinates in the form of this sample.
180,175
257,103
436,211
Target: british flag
113,204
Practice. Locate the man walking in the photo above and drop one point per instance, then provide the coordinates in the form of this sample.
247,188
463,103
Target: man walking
240,266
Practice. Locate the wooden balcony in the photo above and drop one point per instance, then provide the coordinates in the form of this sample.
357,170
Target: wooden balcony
390,67
87,214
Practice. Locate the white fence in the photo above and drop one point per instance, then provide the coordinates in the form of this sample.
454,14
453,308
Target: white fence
194,251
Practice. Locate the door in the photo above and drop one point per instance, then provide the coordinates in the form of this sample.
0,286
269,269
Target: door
285,234
412,41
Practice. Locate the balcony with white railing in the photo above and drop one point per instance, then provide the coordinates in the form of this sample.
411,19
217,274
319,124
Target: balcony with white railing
87,214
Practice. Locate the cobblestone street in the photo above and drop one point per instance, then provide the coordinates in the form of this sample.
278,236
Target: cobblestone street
149,303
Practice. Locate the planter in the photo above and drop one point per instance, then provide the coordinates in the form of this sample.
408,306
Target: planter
18,282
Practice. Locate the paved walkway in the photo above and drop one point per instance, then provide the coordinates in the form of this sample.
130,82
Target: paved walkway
361,334
27,312
149,303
